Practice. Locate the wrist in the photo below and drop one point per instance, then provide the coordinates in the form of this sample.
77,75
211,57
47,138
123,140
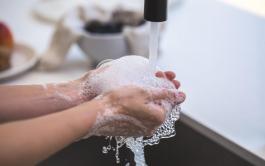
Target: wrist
74,92
66,93
87,91
87,117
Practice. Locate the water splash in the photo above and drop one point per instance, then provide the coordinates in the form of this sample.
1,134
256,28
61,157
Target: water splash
136,145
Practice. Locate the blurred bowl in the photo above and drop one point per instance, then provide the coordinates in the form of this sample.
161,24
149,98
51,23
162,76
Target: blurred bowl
103,46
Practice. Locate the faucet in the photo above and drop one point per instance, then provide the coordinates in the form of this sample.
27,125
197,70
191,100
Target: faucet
155,10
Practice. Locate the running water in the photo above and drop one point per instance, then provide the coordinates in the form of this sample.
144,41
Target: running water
154,43
135,70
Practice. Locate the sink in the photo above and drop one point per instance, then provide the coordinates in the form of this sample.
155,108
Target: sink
187,148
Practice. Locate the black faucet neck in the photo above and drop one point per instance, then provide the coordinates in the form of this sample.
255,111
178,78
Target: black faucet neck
155,10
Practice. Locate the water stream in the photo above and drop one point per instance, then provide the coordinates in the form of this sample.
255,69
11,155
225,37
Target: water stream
166,130
154,43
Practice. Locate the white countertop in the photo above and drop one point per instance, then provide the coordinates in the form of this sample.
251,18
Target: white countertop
217,51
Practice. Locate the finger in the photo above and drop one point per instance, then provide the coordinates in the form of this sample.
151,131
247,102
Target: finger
170,75
170,95
160,74
163,94
176,83
175,97
180,98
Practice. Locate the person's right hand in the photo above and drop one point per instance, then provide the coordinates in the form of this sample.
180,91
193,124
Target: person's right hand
134,111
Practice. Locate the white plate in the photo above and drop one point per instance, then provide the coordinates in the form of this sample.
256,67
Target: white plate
22,59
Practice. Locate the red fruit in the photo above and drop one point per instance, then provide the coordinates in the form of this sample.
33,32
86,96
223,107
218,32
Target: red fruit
6,46
6,37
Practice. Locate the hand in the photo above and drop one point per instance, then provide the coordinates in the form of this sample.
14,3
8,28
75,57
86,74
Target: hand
170,75
91,93
132,111
86,91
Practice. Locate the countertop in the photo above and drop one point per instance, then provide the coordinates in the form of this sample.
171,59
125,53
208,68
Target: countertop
217,51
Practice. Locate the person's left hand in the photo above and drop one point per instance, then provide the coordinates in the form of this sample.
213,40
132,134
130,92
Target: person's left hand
134,111
170,75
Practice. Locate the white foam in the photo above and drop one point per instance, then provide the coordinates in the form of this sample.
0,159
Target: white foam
128,70
131,70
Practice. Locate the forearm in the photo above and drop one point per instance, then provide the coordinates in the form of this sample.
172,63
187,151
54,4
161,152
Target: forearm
30,141
21,102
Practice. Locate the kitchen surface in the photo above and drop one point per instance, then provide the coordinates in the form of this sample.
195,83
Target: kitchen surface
216,48
221,63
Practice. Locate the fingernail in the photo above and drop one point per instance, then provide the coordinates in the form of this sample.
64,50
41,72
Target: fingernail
181,97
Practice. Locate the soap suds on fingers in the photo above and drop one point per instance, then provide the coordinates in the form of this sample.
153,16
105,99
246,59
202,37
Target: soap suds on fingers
126,71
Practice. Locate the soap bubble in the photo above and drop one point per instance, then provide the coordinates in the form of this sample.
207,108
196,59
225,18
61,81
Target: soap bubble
133,70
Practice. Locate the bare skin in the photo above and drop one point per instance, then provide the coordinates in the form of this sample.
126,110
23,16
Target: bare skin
29,101
137,113
29,141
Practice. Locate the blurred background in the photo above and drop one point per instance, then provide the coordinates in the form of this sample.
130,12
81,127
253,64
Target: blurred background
216,48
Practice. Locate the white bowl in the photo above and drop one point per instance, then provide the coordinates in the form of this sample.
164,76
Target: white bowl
103,46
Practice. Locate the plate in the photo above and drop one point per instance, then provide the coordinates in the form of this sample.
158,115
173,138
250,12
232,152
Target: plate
22,59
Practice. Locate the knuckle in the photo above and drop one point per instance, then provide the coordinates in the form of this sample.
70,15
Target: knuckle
150,132
160,119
